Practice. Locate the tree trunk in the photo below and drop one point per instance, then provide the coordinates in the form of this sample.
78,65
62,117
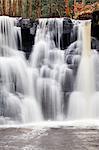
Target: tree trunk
74,7
30,9
38,8
20,8
10,11
67,7
4,7
0,7
14,7
50,9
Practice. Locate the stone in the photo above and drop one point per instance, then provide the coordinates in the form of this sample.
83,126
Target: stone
29,27
95,24
66,36
28,31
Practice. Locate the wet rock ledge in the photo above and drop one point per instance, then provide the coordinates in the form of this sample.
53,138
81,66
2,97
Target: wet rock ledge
28,30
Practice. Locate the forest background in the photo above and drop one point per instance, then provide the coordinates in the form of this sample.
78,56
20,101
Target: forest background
45,8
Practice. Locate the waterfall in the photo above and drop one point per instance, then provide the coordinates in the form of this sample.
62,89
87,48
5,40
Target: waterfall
86,67
49,61
83,102
17,101
32,90
53,84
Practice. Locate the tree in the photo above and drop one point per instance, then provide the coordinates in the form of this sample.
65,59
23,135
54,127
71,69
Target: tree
53,8
67,7
30,8
4,7
14,7
10,8
20,10
0,7
38,8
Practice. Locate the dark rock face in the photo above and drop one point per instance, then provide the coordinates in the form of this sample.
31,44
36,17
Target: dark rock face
28,31
27,41
95,24
25,23
67,81
66,36
95,43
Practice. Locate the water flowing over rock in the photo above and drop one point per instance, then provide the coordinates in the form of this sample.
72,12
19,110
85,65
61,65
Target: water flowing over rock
83,100
52,84
29,28
17,102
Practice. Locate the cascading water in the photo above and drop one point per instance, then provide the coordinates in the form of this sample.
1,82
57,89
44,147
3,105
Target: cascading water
42,87
17,101
51,67
83,102
32,91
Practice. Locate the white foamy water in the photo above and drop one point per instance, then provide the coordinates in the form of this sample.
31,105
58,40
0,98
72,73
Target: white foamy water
49,61
17,101
83,103
38,91
31,91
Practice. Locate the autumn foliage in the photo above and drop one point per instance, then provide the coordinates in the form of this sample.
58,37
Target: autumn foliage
67,7
11,7
79,8
85,10
38,8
